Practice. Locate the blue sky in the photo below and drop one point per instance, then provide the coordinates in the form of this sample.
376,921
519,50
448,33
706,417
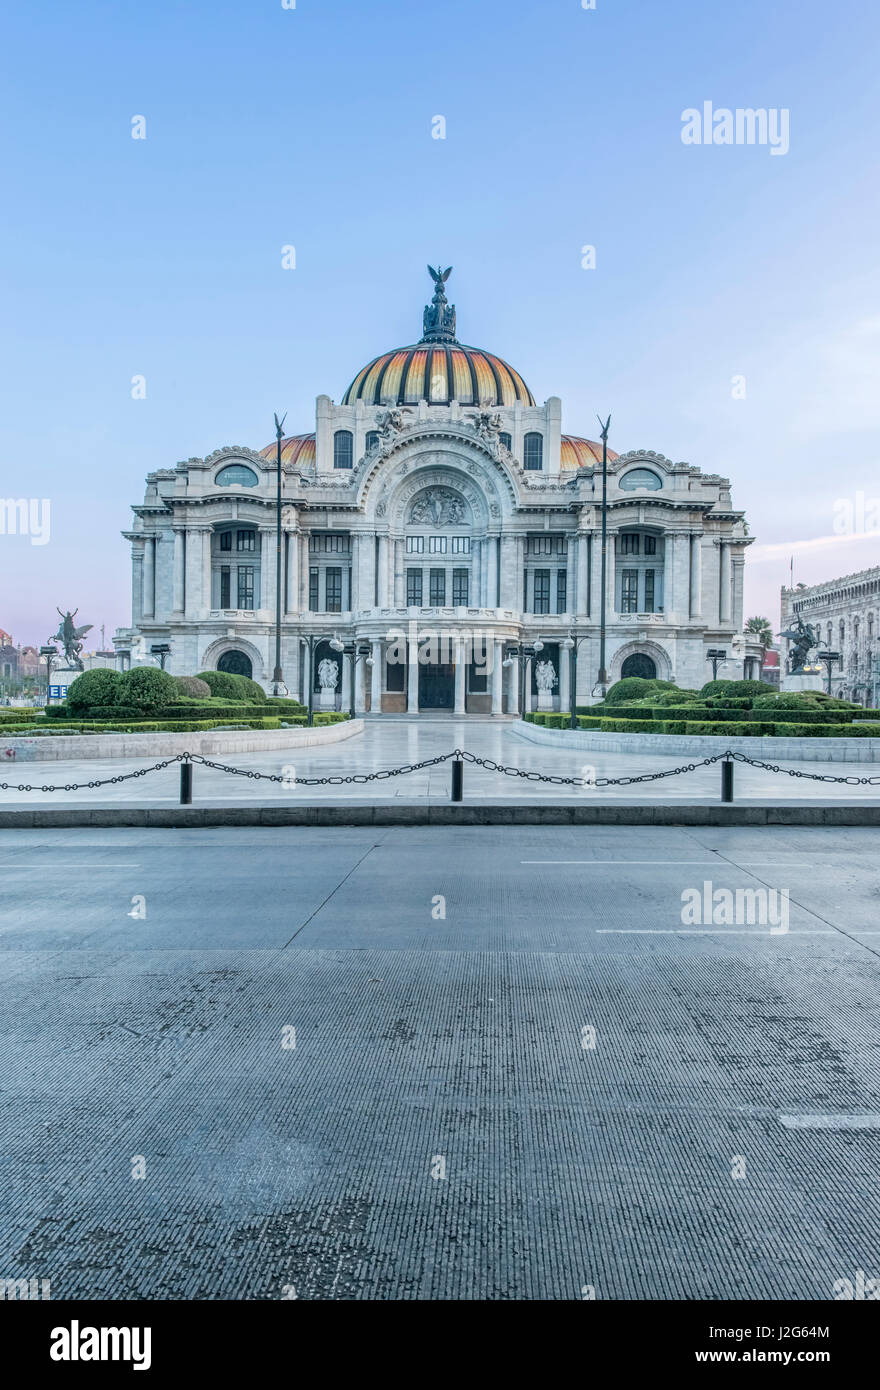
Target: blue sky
312,127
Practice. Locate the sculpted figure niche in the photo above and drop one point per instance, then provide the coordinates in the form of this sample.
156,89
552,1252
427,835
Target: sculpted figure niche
438,506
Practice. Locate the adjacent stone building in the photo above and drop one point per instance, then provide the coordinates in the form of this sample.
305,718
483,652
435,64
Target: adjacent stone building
437,524
845,612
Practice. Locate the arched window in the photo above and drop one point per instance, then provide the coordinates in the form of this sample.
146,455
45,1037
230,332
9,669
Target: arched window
639,665
236,473
236,664
506,439
533,451
343,448
372,440
640,478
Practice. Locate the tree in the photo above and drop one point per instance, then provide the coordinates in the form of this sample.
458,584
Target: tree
760,628
97,687
145,688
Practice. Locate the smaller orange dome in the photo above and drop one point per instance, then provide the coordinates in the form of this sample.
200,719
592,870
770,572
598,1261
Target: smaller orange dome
581,453
296,448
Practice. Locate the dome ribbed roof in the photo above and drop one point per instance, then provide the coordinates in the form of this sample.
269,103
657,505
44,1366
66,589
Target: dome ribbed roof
438,373
296,448
581,453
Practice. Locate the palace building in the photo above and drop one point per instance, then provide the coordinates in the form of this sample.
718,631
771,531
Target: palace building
439,530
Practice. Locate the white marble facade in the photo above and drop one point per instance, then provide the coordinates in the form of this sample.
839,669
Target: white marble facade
845,611
437,521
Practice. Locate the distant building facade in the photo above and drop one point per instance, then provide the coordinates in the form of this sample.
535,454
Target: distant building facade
438,523
845,611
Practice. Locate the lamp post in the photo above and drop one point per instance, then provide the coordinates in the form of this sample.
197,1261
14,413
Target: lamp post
573,645
717,656
603,674
49,653
162,651
828,659
278,686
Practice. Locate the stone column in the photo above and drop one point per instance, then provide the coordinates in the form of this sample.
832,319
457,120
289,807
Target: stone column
178,569
508,572
207,536
267,570
193,571
476,576
345,682
583,574
527,685
669,595
725,587
611,577
148,605
696,580
359,702
399,576
376,678
492,573
366,559
564,679
137,580
412,676
460,671
292,572
497,678
305,674
383,571
303,582
571,574
736,616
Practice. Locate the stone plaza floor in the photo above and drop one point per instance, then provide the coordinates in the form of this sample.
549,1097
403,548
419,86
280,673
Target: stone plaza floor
392,743
431,1063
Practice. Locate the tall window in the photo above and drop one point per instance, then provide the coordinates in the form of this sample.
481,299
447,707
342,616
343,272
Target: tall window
415,545
333,579
629,543
460,588
629,591
506,439
246,586
414,588
437,545
437,588
649,591
372,439
225,592
650,545
561,590
343,448
225,540
541,592
533,451
313,590
245,540
461,545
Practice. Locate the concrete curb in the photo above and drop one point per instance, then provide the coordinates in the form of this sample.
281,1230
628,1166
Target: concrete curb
800,750
795,813
65,748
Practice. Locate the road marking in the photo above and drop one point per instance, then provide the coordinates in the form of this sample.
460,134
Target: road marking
709,931
866,1121
28,869
671,863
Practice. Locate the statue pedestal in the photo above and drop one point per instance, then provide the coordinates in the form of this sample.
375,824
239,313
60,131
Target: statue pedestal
62,678
327,699
545,700
796,685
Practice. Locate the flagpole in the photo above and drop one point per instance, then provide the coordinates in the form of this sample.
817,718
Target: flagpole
603,674
278,686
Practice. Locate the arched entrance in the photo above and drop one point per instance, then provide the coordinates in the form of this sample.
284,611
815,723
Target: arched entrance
639,665
236,664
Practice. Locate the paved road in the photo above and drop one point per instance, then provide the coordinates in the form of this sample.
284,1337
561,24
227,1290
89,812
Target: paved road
393,744
439,1130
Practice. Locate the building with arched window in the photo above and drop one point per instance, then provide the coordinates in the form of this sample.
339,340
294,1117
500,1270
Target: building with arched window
844,612
439,523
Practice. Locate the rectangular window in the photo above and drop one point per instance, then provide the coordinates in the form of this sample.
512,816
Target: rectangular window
629,543
560,545
246,586
461,545
437,545
541,592
460,588
477,679
415,545
395,675
649,589
245,540
225,590
333,581
225,540
414,588
629,591
650,545
506,439
438,588
561,589
540,545
313,590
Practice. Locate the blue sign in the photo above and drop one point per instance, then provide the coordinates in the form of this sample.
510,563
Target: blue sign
57,692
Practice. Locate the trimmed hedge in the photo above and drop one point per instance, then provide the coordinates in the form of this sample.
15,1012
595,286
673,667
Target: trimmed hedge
232,687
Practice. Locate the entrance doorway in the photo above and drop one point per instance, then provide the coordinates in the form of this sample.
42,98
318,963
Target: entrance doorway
436,686
639,665
236,664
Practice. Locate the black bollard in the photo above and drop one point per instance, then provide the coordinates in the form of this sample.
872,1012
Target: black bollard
727,780
457,779
186,784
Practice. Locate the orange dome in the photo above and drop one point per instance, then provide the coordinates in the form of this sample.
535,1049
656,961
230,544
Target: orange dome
581,453
296,448
438,373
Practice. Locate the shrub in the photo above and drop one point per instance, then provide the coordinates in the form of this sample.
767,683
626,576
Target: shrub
586,721
193,686
232,687
146,688
99,687
114,712
635,688
737,688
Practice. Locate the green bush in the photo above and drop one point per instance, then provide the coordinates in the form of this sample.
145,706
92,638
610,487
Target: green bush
145,688
231,687
329,717
99,687
737,688
586,721
192,686
635,688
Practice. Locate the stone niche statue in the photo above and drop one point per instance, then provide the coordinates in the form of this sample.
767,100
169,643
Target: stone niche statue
328,679
438,506
545,679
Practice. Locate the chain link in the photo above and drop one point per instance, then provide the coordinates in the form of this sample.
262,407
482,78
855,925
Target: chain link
525,774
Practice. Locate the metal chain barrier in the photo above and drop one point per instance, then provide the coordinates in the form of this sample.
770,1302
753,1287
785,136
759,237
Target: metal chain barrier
458,755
